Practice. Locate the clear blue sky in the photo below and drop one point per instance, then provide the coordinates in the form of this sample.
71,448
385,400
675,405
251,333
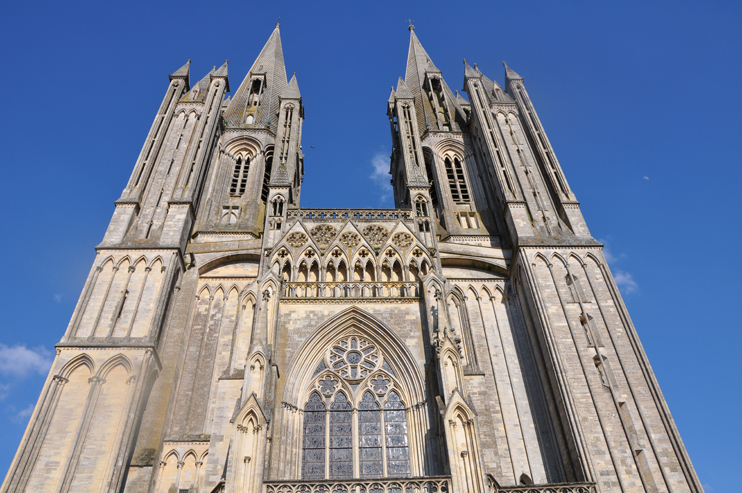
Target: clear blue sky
640,100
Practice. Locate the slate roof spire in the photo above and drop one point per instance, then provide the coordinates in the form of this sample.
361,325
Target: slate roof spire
269,67
419,67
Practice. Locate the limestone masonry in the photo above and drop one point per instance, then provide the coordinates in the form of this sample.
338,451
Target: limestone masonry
470,340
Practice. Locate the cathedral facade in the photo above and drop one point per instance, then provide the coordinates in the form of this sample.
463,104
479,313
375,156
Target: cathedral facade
472,339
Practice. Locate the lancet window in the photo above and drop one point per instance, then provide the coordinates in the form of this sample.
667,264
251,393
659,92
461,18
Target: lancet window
355,419
456,181
421,206
239,176
266,176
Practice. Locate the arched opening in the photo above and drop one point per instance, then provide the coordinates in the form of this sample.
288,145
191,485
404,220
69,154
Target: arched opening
303,273
370,272
330,272
314,272
342,272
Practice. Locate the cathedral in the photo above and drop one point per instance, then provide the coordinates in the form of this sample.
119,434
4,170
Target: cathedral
470,340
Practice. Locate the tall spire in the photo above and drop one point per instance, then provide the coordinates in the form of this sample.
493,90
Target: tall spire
419,68
269,67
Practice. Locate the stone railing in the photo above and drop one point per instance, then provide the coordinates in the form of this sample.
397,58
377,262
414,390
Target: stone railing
357,214
362,290
550,488
433,484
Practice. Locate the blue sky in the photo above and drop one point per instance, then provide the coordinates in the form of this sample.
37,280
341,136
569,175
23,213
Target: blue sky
639,99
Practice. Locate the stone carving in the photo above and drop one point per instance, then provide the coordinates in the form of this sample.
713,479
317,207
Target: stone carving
402,239
323,234
376,234
350,239
296,239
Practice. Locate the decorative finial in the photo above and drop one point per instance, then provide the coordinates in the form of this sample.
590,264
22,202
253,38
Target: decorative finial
278,22
189,60
464,61
411,27
505,64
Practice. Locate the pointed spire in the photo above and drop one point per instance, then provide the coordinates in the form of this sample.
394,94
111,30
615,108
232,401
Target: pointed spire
403,92
270,65
469,72
460,99
392,96
510,74
292,90
222,72
183,72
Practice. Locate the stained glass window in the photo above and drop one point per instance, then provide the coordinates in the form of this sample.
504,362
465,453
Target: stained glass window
341,438
397,448
369,437
313,466
355,378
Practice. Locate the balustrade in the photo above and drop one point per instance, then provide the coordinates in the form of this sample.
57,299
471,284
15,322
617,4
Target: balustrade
358,214
434,484
354,289
550,488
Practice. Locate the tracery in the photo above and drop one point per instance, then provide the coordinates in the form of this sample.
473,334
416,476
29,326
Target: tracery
355,419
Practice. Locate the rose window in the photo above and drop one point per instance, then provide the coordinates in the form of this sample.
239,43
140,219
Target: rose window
354,358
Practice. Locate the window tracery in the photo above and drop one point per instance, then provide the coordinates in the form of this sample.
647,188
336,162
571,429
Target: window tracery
353,379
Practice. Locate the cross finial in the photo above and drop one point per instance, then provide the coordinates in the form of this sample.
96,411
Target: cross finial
411,28
278,22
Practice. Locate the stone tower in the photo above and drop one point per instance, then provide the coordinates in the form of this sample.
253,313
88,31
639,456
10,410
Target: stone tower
472,339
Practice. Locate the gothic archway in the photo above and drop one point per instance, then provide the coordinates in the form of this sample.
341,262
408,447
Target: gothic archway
354,404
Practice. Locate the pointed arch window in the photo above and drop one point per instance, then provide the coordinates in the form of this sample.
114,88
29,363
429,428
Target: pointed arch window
397,448
239,176
355,410
314,438
456,181
421,206
267,176
341,438
369,437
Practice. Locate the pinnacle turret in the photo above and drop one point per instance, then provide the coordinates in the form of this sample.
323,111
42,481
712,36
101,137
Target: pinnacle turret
510,74
292,90
470,72
403,92
183,72
222,72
